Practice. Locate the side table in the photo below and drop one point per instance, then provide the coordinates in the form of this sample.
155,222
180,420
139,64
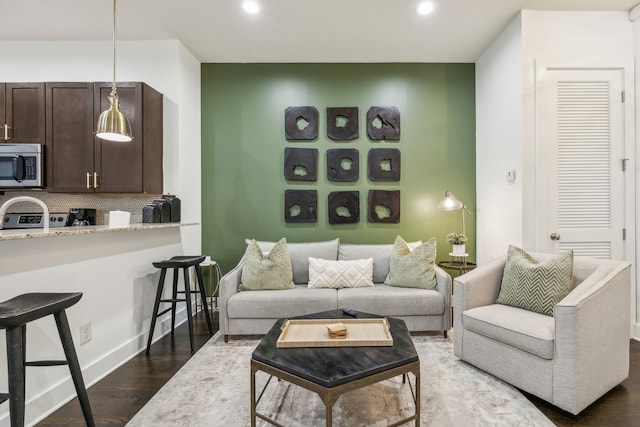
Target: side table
456,264
214,274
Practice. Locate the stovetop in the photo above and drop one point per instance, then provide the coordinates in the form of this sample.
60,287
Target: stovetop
34,220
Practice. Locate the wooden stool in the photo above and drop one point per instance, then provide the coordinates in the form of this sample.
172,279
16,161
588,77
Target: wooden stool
14,316
176,263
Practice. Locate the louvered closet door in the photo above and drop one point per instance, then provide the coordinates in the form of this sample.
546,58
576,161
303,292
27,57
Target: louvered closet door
580,182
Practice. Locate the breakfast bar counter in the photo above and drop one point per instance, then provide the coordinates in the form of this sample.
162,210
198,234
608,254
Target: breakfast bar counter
71,231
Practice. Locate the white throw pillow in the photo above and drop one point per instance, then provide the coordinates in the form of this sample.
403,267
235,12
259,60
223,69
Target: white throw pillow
325,273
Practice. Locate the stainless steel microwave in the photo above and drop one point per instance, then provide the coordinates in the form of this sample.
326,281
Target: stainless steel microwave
21,166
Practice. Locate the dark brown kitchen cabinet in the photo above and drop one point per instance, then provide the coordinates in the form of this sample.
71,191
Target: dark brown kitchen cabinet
22,113
78,162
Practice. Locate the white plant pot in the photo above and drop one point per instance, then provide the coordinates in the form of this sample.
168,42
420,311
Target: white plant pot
459,249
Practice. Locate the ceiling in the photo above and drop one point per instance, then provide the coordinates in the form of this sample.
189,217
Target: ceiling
288,30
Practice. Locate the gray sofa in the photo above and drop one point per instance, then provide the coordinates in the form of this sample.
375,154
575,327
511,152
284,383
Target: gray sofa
569,359
254,312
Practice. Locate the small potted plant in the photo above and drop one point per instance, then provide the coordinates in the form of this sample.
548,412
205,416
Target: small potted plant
457,240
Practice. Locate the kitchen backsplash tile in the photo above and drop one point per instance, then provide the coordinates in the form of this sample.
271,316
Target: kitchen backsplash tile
103,203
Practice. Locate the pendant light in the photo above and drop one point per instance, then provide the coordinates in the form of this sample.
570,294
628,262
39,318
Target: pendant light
112,124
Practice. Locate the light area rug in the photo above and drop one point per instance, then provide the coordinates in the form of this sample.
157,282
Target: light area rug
212,389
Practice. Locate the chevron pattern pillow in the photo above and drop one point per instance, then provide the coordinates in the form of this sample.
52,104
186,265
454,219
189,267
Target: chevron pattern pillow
412,268
273,272
324,273
535,286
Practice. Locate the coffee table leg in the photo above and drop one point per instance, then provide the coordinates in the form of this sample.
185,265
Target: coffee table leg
417,374
253,395
328,398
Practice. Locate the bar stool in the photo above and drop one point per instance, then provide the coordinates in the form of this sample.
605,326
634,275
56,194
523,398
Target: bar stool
14,316
176,263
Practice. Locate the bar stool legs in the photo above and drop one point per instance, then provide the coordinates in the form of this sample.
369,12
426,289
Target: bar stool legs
14,316
16,341
176,263
74,365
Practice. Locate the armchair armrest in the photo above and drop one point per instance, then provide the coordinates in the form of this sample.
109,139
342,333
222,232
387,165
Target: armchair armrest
474,289
229,284
592,328
480,286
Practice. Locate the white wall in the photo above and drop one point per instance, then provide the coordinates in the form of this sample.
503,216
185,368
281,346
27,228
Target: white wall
112,269
580,40
543,39
499,144
636,51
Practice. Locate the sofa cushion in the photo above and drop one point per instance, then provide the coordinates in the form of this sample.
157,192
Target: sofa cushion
523,329
324,273
379,253
300,253
281,304
412,268
535,286
392,301
272,272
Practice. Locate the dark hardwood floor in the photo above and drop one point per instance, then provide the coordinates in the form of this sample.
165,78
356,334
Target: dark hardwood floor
120,395
117,398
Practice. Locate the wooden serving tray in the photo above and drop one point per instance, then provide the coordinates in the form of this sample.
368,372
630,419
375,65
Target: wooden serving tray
313,333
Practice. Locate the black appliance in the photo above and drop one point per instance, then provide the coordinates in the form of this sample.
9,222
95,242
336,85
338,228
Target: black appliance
81,216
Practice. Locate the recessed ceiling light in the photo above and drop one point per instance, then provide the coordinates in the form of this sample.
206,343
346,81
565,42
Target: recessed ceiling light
251,6
425,8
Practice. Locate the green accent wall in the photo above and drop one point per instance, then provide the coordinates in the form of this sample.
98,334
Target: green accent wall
243,144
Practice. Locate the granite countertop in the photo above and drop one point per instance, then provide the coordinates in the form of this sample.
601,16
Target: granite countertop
92,229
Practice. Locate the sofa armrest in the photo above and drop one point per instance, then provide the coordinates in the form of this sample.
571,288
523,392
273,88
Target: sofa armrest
592,329
229,284
443,285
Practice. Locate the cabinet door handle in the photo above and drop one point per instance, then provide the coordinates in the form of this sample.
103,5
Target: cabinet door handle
88,180
95,180
6,132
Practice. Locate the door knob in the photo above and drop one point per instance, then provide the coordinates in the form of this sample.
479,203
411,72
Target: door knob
555,236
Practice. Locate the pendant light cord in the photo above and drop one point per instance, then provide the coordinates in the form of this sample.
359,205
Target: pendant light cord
113,87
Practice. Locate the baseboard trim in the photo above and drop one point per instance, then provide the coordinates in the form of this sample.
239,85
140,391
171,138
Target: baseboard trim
48,401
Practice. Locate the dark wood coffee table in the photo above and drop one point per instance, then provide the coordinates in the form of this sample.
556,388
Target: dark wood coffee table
333,371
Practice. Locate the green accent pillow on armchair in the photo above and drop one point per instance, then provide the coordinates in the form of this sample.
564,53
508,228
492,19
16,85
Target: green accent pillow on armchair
535,286
273,272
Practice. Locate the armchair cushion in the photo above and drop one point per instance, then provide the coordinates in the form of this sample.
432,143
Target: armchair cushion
535,286
529,331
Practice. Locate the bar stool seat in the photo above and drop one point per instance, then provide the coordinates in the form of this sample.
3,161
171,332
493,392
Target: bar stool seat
183,262
14,316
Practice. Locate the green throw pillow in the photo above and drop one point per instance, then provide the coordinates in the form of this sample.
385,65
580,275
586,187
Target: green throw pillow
273,272
412,268
535,286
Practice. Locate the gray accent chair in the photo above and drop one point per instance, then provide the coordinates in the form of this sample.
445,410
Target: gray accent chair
570,359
